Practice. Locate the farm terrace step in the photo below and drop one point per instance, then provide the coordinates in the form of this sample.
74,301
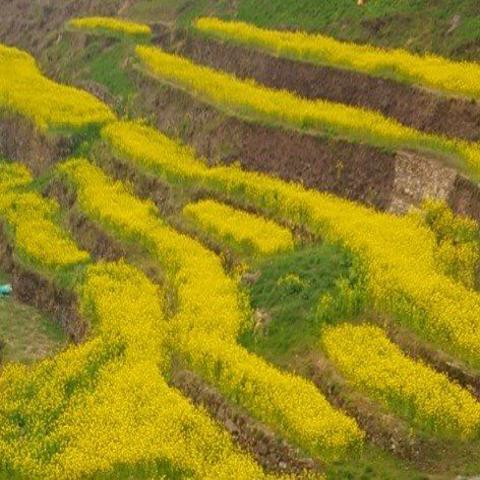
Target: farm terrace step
416,107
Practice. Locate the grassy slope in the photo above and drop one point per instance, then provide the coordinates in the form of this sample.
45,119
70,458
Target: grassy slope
294,330
290,339
418,25
414,24
28,335
289,289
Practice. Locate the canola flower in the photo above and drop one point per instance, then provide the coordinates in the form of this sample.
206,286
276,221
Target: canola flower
104,408
30,218
399,253
373,364
191,265
458,250
50,105
112,26
428,70
209,318
132,417
13,175
250,100
238,228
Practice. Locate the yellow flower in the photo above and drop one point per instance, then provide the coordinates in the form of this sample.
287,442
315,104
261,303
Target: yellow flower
239,228
24,90
429,70
209,318
246,98
367,358
399,254
111,25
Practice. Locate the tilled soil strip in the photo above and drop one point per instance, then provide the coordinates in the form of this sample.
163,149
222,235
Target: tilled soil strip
384,180
413,106
384,430
439,360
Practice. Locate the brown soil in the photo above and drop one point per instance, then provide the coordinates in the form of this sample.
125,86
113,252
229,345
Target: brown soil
88,236
357,172
465,197
34,289
272,453
170,202
145,186
35,26
412,106
383,180
21,141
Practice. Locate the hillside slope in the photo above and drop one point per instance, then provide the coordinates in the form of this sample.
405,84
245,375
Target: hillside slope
252,207
444,27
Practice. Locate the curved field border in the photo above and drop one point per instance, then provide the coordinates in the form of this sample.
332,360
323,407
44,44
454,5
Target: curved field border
104,409
209,318
111,26
254,102
415,107
398,252
458,78
51,105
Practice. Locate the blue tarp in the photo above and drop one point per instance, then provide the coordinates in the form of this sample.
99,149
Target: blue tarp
5,289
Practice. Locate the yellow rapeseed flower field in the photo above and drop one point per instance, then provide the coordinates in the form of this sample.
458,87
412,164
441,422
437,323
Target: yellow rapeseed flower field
429,70
458,246
111,25
367,358
30,217
246,98
398,252
238,228
209,318
50,105
104,408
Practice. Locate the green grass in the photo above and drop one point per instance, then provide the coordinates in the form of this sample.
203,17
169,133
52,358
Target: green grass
414,24
373,464
28,335
106,69
295,328
289,289
101,67
182,10
292,338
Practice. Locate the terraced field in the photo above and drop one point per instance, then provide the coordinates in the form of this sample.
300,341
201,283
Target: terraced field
232,310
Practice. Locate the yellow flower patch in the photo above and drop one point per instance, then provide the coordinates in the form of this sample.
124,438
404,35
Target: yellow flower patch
50,105
429,70
367,358
246,98
239,228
